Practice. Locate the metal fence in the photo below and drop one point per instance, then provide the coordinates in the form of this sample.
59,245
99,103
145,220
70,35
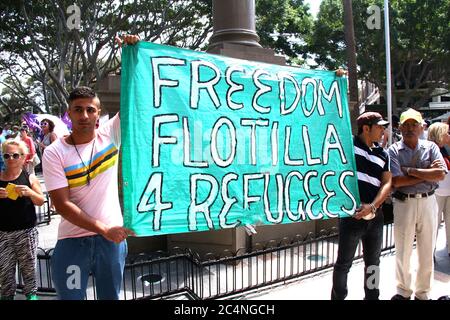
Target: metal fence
160,274
43,213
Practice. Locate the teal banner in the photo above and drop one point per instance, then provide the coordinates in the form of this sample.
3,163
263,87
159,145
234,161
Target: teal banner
210,142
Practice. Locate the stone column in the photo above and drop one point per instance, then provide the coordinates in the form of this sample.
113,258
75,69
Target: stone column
235,32
234,22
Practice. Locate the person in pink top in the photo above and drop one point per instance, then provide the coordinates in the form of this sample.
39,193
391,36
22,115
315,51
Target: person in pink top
29,163
80,172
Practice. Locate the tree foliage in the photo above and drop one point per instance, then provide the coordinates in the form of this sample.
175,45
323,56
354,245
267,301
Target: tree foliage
282,25
420,45
42,59
38,44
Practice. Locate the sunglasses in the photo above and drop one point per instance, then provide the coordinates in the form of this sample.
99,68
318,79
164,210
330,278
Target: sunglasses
44,124
14,156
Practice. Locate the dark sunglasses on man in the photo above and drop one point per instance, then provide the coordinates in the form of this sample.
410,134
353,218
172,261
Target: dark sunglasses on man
14,156
44,124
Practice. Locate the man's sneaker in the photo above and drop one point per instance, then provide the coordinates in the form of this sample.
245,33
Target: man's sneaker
400,297
444,298
32,297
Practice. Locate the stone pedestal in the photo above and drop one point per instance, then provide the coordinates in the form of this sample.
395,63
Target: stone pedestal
234,36
239,51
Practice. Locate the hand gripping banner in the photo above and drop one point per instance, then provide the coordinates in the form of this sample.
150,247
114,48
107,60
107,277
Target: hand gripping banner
210,142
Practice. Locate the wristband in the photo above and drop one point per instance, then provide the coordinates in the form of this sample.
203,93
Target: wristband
374,209
408,170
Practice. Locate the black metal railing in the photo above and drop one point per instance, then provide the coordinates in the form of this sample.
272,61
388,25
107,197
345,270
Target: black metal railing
160,274
43,213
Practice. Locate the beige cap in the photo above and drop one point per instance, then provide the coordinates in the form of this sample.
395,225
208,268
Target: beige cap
411,114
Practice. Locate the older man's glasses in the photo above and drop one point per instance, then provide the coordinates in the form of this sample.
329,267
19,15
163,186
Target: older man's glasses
411,125
14,156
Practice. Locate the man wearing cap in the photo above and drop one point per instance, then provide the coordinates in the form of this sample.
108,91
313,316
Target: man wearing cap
374,183
416,169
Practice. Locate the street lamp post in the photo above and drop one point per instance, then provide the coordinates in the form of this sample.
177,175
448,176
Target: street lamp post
388,67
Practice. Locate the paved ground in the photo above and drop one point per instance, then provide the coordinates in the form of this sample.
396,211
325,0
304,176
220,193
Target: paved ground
318,286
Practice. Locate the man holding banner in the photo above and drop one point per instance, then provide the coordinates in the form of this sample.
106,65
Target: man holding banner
374,182
80,172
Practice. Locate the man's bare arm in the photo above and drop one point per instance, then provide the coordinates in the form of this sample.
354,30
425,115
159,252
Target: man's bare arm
385,189
383,193
127,39
431,174
72,213
413,176
404,181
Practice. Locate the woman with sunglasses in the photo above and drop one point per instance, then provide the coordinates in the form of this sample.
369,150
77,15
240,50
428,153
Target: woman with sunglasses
19,193
47,127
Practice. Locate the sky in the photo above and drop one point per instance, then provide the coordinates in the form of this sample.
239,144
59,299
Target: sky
314,5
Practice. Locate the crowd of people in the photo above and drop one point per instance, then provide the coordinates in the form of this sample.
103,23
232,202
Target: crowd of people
92,240
35,140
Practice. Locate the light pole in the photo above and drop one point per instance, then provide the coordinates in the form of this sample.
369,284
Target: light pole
388,67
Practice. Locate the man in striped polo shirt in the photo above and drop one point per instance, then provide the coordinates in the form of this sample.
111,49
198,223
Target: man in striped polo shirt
374,183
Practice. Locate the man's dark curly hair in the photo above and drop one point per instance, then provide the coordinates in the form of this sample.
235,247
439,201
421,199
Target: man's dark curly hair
82,92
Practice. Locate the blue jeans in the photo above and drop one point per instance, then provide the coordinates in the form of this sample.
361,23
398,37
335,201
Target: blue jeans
74,259
351,231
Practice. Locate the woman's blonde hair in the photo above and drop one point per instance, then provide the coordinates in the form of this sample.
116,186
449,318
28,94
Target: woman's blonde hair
437,132
14,142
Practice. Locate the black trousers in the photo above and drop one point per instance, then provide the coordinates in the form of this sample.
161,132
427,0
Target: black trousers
351,231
